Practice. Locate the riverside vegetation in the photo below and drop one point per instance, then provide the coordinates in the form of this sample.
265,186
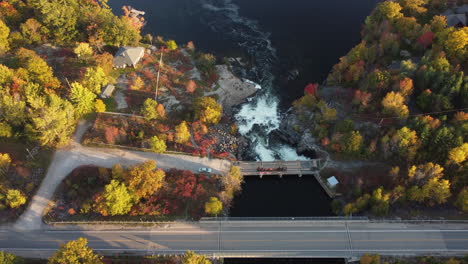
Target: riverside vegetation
55,58
142,192
399,97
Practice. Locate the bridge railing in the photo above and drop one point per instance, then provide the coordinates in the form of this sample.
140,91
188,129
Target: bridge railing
327,218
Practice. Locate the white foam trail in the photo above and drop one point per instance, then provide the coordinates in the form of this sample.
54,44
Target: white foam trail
264,154
257,86
287,153
262,112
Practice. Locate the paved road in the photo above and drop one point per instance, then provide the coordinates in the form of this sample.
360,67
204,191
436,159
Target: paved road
65,160
256,239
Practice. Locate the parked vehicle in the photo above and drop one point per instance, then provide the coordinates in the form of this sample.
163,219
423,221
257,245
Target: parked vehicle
205,170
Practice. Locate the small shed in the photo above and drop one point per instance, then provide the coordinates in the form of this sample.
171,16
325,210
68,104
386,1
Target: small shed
107,91
332,181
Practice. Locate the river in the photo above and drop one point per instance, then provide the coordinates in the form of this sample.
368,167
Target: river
289,43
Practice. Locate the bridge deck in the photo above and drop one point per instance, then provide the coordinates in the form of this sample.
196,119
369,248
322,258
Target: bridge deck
279,167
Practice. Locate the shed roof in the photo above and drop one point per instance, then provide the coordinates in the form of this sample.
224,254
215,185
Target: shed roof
107,91
332,181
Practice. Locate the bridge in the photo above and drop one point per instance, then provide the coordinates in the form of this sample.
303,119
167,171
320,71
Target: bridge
280,168
280,238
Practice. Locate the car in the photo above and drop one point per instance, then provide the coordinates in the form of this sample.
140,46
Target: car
206,170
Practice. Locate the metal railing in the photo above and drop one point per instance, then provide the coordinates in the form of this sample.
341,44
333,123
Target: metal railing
326,218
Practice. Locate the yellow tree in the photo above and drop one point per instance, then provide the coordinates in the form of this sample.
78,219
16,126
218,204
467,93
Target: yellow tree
459,154
394,104
208,110
75,252
213,206
4,33
83,50
456,43
99,106
405,143
143,180
182,133
14,198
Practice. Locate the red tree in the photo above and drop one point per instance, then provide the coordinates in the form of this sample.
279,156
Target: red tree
311,89
426,39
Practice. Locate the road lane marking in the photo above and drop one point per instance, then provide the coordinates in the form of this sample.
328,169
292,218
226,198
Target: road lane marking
253,231
247,250
260,240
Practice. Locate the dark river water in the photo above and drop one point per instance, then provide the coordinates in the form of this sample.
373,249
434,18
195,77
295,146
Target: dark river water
289,44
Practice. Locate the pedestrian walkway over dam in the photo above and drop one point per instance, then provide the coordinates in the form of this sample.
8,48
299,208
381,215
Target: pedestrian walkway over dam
280,168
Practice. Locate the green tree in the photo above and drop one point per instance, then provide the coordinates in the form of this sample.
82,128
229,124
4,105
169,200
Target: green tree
353,142
5,130
60,18
32,31
83,50
148,110
438,191
99,106
75,252
413,7
182,133
116,199
94,79
405,143
14,198
208,110
192,258
52,120
82,98
118,172
438,23
171,45
4,33
8,258
119,32
12,111
38,70
462,200
158,145
6,74
143,180
394,104
387,10
213,206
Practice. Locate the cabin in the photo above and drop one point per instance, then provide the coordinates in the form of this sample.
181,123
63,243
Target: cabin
128,57
456,20
107,91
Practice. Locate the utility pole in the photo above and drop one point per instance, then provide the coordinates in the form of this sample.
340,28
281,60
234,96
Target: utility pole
157,79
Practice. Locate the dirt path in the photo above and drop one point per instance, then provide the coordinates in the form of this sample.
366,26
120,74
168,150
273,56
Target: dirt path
65,160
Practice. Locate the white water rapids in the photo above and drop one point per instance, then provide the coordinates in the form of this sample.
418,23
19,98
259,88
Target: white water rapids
257,118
